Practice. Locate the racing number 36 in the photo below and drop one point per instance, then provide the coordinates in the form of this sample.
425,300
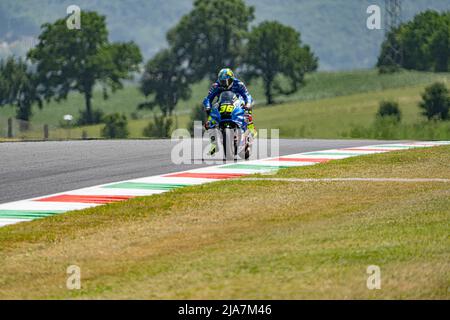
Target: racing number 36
226,108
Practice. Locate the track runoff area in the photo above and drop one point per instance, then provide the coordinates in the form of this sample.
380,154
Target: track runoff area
45,206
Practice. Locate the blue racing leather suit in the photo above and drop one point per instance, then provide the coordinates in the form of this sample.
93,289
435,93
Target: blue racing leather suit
238,87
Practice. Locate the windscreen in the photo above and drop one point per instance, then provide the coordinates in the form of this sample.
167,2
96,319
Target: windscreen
227,97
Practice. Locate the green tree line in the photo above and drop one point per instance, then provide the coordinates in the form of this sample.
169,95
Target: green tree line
421,44
215,34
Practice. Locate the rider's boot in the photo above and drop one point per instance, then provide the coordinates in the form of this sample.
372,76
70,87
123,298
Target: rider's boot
212,138
251,127
213,145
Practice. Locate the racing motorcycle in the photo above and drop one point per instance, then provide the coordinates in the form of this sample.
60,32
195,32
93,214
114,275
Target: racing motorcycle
229,117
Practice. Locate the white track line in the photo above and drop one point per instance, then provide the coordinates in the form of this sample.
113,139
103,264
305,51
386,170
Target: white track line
6,222
44,206
347,179
114,192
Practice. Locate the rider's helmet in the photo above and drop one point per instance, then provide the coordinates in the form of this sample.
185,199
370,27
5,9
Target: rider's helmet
226,77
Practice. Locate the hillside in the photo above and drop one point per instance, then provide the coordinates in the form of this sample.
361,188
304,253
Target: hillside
331,105
336,30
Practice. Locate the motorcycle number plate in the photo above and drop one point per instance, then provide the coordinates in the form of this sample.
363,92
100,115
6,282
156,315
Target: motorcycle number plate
226,109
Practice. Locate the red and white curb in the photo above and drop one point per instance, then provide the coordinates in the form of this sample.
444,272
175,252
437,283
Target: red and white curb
41,207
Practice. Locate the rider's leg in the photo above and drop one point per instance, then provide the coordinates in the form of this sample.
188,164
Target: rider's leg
212,133
250,124
212,141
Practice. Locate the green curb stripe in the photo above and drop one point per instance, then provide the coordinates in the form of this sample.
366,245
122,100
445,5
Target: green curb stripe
19,217
147,186
331,154
253,166
17,214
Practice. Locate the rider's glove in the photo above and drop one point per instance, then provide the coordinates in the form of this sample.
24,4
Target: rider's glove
209,123
247,107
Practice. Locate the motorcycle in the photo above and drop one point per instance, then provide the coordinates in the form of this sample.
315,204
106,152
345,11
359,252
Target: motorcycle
229,117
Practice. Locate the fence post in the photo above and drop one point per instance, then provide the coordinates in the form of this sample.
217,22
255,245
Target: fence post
10,129
45,131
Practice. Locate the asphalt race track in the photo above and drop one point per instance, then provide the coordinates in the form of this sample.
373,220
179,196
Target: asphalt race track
32,169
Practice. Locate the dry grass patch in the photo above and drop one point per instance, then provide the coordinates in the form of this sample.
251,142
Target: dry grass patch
281,240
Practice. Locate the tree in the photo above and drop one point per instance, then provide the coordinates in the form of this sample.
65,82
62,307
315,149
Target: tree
165,81
75,60
211,36
116,126
18,88
389,109
390,59
159,128
274,49
440,49
423,44
436,101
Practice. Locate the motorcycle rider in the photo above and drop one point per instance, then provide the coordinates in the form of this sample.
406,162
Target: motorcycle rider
228,82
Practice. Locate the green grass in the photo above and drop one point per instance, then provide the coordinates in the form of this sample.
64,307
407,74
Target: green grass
305,240
351,116
321,85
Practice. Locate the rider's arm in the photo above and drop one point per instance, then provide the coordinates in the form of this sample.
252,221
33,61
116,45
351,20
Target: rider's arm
213,92
243,92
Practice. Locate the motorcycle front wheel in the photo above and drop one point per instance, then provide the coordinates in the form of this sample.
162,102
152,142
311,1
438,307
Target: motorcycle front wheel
229,143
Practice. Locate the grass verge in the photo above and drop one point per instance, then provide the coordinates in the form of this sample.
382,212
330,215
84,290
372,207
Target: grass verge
8,140
282,240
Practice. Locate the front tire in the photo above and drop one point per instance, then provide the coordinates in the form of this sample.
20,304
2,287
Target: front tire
229,145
